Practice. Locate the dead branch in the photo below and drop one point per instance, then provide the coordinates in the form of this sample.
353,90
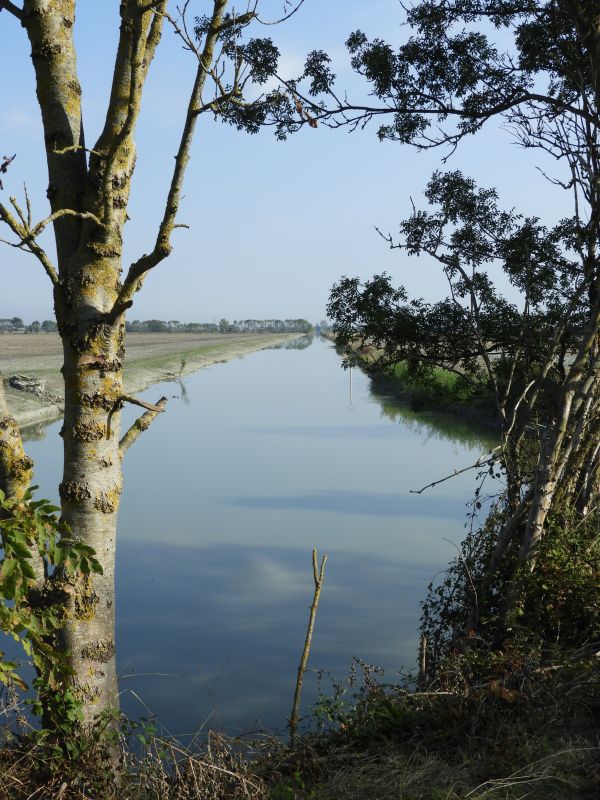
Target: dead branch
142,403
485,460
12,9
318,577
140,425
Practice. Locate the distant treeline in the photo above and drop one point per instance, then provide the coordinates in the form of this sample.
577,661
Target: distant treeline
16,325
223,326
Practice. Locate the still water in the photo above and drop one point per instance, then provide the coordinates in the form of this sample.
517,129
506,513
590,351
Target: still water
256,462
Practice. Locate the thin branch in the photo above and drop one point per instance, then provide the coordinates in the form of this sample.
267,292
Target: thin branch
140,425
162,247
30,246
283,19
483,461
135,401
74,148
12,9
318,577
63,212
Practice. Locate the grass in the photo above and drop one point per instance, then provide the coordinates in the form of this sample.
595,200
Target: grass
440,390
529,734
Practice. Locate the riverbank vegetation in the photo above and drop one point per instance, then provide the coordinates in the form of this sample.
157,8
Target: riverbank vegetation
223,326
529,732
438,389
506,702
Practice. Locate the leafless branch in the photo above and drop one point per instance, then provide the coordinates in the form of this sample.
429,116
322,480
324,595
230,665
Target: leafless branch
318,578
12,9
142,403
29,245
140,425
75,148
283,19
485,460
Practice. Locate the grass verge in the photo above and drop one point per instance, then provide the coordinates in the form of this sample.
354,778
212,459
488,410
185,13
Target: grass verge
531,732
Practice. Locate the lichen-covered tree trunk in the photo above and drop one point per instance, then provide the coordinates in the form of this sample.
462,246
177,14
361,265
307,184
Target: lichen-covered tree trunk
90,493
89,246
88,191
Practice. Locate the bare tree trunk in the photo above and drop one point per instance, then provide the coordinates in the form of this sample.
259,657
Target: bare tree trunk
88,192
90,492
16,470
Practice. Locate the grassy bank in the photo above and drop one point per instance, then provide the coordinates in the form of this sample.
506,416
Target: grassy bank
529,730
439,390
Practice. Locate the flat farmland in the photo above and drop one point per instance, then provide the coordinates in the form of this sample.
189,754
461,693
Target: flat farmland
150,358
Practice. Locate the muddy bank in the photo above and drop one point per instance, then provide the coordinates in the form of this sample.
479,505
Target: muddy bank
151,358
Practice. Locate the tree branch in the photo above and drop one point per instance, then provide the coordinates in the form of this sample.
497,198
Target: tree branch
32,233
140,33
140,425
162,247
135,401
59,97
12,9
483,461
30,244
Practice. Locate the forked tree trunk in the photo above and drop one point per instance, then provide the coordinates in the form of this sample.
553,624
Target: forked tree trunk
88,192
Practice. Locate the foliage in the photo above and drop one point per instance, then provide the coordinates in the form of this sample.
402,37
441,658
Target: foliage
519,730
463,63
548,611
534,67
39,558
485,340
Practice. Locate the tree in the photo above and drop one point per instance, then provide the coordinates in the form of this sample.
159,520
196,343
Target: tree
157,326
88,193
536,67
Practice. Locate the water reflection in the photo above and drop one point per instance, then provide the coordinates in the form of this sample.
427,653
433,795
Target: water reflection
226,495
35,433
299,343
230,622
436,425
357,502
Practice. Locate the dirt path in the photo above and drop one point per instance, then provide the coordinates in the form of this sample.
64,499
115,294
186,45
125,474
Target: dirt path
151,357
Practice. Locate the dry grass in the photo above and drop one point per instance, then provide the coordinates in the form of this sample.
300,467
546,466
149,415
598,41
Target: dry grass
531,736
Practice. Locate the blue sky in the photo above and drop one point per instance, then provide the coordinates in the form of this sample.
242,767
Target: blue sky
272,225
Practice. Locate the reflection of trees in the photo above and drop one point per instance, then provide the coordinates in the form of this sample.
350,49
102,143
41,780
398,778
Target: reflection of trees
35,433
301,343
434,424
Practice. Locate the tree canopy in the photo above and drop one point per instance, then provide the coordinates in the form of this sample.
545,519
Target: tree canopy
535,68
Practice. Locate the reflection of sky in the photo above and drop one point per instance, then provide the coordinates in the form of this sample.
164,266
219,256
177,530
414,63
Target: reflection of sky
230,621
224,500
364,503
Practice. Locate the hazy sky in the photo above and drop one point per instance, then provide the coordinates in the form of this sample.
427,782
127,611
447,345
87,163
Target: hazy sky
273,224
